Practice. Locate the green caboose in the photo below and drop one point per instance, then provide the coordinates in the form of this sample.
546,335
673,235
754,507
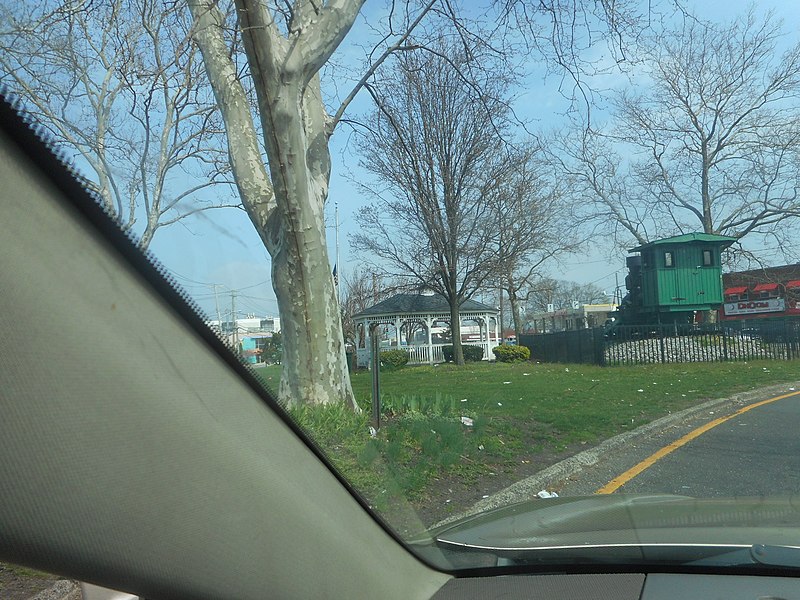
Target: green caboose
673,277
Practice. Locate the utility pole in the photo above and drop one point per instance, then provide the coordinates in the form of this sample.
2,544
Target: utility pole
216,305
233,321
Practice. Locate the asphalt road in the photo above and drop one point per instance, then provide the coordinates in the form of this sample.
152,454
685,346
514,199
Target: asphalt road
752,454
745,445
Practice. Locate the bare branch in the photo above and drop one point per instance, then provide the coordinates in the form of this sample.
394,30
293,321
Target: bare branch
119,87
376,64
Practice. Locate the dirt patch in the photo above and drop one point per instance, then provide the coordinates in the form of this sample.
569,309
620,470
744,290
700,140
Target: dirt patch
452,495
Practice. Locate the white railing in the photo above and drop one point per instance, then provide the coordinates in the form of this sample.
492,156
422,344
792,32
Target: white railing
418,355
487,353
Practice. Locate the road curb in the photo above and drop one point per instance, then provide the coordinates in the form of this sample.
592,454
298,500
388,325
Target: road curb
569,467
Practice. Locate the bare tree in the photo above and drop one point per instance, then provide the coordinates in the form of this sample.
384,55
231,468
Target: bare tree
286,45
602,190
360,290
115,83
533,223
578,40
434,144
715,133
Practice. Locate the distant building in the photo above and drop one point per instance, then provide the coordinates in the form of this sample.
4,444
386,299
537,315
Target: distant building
580,316
248,324
251,334
768,293
253,346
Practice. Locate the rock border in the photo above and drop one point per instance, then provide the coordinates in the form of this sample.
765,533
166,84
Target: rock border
62,589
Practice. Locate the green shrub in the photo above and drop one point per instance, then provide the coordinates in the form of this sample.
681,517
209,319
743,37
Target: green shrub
448,353
394,359
511,354
471,353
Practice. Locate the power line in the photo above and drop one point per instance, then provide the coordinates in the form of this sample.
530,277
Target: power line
216,304
254,285
252,307
194,281
614,272
210,284
270,301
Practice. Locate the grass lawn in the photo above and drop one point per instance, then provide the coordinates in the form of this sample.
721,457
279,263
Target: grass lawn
579,402
518,412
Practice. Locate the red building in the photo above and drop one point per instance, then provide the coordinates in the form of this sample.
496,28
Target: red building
766,293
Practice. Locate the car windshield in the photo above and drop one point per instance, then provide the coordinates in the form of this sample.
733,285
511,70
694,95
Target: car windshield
524,272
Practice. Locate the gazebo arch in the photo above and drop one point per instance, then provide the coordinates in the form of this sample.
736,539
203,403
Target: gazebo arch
431,311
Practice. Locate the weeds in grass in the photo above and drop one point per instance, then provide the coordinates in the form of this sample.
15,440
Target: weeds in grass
438,404
516,411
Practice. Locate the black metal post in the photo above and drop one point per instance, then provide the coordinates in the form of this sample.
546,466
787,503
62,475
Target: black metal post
375,365
786,338
724,343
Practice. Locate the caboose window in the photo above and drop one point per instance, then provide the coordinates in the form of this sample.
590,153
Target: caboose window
708,258
669,261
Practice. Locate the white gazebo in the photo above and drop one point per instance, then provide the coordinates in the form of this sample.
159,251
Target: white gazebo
420,323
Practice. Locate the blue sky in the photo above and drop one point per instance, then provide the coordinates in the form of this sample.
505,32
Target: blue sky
221,247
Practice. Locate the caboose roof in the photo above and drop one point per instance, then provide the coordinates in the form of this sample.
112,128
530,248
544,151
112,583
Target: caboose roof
723,240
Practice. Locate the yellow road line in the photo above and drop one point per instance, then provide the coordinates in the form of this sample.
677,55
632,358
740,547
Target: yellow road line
616,483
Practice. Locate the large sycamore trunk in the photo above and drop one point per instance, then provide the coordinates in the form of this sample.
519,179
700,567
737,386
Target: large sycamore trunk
287,205
314,361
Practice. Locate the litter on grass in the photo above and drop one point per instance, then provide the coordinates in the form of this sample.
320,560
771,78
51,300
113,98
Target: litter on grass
545,494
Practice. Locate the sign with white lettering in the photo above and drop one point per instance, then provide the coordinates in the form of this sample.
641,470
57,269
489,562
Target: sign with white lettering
751,307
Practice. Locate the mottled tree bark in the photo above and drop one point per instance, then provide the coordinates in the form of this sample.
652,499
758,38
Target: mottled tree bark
287,204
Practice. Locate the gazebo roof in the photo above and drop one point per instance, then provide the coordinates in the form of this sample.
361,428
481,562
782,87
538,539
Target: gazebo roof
411,304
